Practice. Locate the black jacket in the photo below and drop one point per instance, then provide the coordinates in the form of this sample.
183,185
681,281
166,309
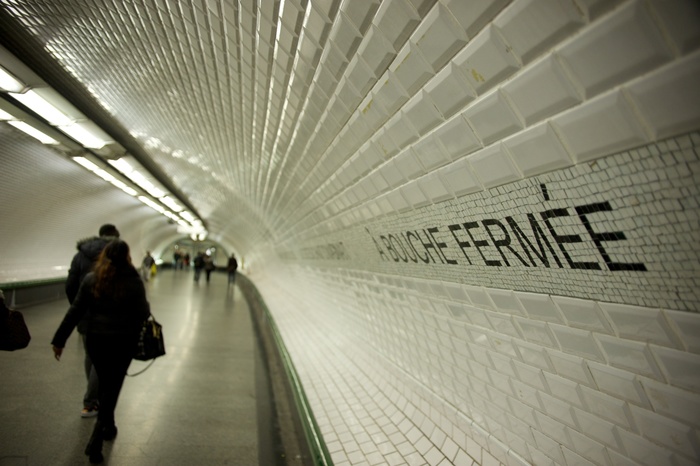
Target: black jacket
88,250
106,315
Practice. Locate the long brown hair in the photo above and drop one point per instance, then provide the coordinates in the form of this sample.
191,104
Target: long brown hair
114,260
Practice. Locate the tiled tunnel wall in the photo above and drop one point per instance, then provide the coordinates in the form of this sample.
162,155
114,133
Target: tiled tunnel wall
506,271
482,218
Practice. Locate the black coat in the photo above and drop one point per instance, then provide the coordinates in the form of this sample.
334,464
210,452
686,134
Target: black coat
88,251
106,315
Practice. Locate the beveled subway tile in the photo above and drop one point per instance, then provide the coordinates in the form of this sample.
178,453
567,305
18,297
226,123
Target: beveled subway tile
619,383
532,27
644,48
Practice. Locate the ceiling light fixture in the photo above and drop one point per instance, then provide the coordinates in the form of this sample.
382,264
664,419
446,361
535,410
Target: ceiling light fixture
9,83
33,132
42,107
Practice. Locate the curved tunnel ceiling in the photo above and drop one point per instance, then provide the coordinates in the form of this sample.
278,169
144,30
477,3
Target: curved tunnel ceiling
234,101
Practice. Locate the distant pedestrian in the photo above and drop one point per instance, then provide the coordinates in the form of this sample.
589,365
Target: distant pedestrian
208,265
147,266
198,265
231,268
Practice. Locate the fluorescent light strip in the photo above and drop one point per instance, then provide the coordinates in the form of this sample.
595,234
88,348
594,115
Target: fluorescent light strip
170,202
86,163
9,83
151,204
4,116
187,216
33,132
47,111
83,136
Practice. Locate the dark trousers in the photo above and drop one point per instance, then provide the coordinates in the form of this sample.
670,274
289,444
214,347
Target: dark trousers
111,356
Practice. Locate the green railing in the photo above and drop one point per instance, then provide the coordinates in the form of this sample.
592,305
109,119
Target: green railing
312,433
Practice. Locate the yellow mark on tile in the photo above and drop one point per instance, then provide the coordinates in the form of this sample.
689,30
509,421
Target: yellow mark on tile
477,76
369,105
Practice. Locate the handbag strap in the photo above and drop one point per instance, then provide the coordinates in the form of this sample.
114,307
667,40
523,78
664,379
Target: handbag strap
142,370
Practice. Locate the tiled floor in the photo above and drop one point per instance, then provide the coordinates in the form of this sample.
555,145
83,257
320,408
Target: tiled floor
197,405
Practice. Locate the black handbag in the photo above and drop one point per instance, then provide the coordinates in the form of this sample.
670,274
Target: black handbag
14,333
151,344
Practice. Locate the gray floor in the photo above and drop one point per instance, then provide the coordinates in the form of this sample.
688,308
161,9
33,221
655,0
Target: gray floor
194,406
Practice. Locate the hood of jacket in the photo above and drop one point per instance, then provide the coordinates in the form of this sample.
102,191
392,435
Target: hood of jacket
92,247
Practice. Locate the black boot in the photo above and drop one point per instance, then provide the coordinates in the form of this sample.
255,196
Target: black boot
94,446
109,432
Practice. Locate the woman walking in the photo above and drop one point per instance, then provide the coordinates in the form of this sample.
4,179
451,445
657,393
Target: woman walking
112,298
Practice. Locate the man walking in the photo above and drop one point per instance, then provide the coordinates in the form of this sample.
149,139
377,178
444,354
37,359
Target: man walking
88,251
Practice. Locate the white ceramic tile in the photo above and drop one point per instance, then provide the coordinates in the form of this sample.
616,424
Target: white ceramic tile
450,90
667,432
502,324
533,26
621,47
430,152
644,451
589,449
600,127
583,313
669,98
360,75
389,93
479,297
681,369
526,394
578,342
537,332
571,367
564,389
542,90
376,51
607,407
539,306
473,16
379,182
401,132
530,375
640,323
398,201
559,410
687,325
537,150
674,402
411,69
630,355
574,458
680,20
533,354
345,35
391,174
439,36
396,20
492,118
459,178
486,61
596,428
457,137
506,301
422,113
493,166
413,195
619,383
433,187
549,447
409,166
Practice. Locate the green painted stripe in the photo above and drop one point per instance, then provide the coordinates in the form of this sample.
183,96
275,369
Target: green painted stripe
31,283
311,430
